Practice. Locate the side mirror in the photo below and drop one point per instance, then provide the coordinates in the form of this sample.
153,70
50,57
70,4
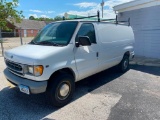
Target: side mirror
84,41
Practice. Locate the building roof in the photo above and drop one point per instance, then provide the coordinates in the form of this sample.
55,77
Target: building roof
30,24
47,22
71,16
136,4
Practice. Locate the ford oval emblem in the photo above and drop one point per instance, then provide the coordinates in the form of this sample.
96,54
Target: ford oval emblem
11,56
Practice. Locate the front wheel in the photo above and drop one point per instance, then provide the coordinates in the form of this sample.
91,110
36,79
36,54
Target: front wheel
61,89
124,64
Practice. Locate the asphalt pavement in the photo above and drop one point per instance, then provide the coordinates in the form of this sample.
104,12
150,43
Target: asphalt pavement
108,95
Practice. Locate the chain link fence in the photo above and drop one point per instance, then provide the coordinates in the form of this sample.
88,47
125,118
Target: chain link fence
9,41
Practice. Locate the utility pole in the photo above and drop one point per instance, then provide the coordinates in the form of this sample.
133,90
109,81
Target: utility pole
102,5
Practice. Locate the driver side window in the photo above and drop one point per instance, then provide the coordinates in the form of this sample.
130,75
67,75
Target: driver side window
87,29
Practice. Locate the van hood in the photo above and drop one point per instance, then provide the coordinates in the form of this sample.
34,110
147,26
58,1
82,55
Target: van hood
28,54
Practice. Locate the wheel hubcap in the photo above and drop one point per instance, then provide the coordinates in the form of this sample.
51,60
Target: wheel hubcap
64,90
125,64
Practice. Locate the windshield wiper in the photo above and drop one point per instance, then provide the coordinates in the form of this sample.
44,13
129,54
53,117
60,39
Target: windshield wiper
48,43
32,42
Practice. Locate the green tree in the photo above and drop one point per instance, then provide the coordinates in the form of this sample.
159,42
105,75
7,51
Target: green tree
31,18
58,18
8,11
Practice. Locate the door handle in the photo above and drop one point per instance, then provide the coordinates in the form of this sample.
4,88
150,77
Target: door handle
97,54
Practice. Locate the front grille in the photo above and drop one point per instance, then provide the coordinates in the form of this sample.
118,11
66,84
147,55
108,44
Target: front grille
14,67
18,73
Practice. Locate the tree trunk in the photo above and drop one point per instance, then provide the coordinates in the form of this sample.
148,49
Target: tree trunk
1,42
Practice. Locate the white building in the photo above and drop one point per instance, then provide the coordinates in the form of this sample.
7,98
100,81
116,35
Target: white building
145,21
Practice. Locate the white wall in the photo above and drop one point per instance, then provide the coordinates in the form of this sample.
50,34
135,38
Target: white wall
146,25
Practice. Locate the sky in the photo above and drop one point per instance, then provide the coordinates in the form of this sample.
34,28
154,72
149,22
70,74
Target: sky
52,8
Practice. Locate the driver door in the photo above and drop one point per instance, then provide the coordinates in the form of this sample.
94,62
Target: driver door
86,57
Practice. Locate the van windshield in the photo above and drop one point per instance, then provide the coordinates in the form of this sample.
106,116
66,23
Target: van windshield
58,33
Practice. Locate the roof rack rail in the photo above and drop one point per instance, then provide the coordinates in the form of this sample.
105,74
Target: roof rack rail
99,20
86,17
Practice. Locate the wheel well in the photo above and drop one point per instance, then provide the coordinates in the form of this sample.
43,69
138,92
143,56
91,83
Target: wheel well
61,71
127,53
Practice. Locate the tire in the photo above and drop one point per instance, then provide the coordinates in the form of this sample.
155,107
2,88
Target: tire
60,90
124,64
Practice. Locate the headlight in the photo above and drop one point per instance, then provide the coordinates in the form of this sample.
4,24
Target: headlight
30,69
33,70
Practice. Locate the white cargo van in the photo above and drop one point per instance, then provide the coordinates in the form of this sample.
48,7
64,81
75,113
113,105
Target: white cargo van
65,52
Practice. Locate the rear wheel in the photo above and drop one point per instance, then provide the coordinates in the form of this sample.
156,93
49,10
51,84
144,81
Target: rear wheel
124,64
61,89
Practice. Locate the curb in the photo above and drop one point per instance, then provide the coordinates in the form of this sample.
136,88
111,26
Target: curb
145,64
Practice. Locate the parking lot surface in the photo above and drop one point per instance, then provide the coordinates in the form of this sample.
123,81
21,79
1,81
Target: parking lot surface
108,95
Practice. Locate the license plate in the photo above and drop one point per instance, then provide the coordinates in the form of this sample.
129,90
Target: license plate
24,89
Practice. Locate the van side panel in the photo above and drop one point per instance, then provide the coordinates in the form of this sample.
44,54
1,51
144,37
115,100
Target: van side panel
114,41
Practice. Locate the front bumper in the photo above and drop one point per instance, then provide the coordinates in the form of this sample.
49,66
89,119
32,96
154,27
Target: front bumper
35,87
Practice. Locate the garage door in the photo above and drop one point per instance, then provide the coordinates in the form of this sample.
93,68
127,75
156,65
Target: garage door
146,25
147,43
